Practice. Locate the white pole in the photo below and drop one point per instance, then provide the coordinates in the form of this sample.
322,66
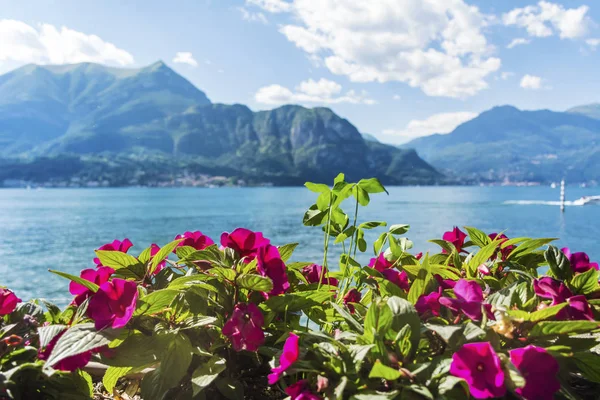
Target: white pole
562,195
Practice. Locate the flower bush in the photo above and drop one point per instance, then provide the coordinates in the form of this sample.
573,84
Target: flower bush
238,319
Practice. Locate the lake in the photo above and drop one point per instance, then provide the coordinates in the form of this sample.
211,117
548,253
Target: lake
60,228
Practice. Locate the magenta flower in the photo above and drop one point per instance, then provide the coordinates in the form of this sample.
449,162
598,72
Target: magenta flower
549,288
456,237
577,309
301,391
245,242
196,239
380,263
244,327
113,304
313,272
418,256
469,300
97,276
154,248
70,364
429,303
539,369
505,252
353,296
480,367
580,262
8,301
445,283
287,358
116,245
270,264
398,278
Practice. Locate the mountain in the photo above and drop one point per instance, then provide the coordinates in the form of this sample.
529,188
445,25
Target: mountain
589,110
508,143
92,110
370,138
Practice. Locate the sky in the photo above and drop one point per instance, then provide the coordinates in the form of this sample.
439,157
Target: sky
396,69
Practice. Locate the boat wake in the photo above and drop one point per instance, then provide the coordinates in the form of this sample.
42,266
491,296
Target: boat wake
578,202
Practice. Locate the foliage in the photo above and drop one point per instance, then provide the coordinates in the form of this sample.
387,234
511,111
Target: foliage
193,320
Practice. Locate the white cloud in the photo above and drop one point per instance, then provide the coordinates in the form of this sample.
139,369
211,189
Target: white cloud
546,19
506,75
273,6
518,42
185,57
435,45
531,82
437,123
593,43
397,97
47,44
310,91
253,16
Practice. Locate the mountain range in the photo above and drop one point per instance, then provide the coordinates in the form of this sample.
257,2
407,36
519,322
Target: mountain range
505,143
89,110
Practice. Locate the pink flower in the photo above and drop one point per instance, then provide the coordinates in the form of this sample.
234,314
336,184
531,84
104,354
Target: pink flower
116,245
113,304
549,288
8,301
245,242
154,248
353,296
244,327
580,262
70,364
97,276
505,252
380,263
429,303
456,237
196,239
469,300
445,283
539,369
301,391
270,264
398,278
577,309
480,367
313,272
418,256
287,358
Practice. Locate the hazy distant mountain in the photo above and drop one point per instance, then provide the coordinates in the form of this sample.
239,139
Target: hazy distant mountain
370,138
589,110
90,109
506,142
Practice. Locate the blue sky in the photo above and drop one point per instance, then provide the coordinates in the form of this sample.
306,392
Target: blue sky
397,69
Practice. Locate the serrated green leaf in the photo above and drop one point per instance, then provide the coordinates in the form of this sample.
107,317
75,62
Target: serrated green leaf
585,282
47,333
162,254
255,282
112,375
116,259
371,185
382,371
479,238
546,328
286,251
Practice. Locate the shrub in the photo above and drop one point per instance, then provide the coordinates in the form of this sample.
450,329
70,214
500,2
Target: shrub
195,320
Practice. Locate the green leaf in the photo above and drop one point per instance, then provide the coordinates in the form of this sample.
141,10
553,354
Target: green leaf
87,284
317,187
162,254
116,259
174,363
421,281
382,371
112,375
226,273
230,388
481,256
371,185
255,282
586,282
375,395
528,246
358,353
478,237
451,334
377,321
546,313
197,321
79,339
372,224
361,196
286,251
546,328
348,317
399,229
205,374
589,365
145,256
404,313
47,333
448,246
138,350
559,264
156,301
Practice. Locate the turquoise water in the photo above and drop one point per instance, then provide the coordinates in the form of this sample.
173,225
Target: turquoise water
60,228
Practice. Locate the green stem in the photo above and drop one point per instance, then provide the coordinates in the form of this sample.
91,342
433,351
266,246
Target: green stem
346,279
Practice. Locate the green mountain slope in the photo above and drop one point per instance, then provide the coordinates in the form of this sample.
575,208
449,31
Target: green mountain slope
88,109
508,143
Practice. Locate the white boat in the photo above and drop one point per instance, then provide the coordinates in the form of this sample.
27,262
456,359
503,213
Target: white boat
587,200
